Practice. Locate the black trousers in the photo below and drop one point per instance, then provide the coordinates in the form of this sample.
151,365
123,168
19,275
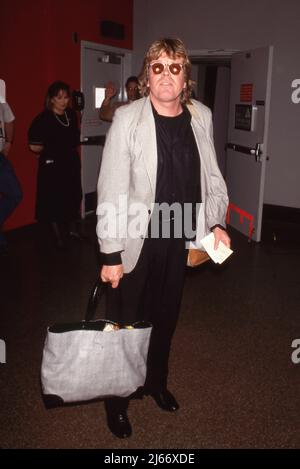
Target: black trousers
152,292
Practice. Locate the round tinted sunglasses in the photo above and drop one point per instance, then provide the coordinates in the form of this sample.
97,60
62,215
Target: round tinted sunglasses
159,67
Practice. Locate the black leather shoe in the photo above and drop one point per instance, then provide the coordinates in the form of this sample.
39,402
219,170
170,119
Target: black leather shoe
119,424
165,400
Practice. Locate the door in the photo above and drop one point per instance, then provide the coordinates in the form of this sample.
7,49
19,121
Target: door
246,159
99,65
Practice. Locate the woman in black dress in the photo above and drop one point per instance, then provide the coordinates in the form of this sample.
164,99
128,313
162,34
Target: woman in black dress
54,136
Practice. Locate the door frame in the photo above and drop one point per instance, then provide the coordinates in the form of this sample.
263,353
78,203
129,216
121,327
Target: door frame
215,53
218,55
265,141
214,56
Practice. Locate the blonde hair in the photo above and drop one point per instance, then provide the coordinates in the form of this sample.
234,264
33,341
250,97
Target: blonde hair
174,48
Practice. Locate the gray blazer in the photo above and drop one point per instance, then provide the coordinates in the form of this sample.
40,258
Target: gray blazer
127,179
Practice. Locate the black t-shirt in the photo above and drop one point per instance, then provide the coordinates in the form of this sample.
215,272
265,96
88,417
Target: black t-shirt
178,165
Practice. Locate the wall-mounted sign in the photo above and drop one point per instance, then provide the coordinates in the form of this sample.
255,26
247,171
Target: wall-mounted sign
246,92
243,117
99,96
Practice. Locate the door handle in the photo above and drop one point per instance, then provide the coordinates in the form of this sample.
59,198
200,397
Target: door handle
257,151
93,140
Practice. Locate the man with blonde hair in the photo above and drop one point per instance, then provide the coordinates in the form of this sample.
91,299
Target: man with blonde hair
159,152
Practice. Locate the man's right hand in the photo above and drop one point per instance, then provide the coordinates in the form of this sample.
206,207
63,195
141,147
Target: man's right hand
112,274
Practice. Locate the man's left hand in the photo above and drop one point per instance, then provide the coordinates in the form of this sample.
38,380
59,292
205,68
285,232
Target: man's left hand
221,235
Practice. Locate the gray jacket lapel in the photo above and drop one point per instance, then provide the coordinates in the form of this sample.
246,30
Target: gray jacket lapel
200,134
146,135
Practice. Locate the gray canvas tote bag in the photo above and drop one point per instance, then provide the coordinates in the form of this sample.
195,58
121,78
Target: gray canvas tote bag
93,358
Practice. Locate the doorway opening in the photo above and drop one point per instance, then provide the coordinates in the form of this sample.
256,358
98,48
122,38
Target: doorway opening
236,86
211,74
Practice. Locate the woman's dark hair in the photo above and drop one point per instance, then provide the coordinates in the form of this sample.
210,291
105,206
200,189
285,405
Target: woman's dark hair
174,48
54,89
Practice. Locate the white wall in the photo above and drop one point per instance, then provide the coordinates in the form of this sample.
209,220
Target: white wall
241,25
220,115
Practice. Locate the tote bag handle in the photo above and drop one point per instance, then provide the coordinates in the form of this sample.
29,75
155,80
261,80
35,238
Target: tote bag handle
95,296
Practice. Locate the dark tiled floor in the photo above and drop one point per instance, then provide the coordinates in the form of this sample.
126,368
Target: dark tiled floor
231,367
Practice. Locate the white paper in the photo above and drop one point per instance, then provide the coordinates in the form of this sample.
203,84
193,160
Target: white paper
217,255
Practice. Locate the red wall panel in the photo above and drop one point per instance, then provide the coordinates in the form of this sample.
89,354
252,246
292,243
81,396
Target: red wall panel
37,47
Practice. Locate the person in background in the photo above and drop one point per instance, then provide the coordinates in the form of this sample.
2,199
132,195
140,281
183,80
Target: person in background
108,107
10,190
159,152
54,136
